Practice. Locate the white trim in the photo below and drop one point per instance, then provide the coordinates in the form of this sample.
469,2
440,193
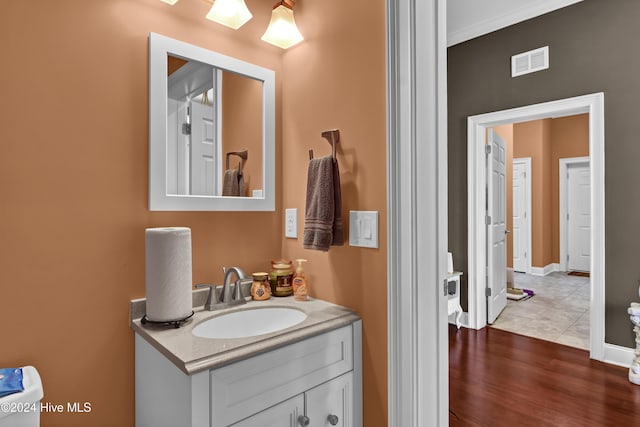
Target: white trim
618,355
418,365
218,115
511,17
562,170
526,161
161,46
547,269
476,179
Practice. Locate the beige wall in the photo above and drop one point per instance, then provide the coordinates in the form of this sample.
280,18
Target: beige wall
242,126
336,79
570,139
74,172
546,142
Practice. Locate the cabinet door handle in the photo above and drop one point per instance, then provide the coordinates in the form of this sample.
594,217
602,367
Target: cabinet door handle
333,419
303,420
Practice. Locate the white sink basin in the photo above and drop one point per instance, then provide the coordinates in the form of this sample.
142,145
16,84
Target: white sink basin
249,323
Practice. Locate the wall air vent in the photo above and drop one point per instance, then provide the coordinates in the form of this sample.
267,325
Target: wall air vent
530,62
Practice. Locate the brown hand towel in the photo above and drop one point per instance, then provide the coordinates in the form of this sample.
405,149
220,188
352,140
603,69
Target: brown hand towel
338,230
241,186
233,184
323,221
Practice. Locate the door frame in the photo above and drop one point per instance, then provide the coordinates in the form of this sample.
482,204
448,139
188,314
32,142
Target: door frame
563,193
526,161
593,104
417,314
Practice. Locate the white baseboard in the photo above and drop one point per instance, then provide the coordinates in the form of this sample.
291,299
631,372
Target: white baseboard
547,269
618,355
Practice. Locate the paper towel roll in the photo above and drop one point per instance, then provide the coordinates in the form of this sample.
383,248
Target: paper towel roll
168,273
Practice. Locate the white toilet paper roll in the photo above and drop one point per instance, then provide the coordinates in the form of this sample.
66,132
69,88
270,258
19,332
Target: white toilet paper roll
168,273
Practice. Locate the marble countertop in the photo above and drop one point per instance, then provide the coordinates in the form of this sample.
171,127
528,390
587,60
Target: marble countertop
193,354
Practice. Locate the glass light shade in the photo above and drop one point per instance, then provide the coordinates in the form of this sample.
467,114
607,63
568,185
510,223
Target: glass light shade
282,30
171,2
232,13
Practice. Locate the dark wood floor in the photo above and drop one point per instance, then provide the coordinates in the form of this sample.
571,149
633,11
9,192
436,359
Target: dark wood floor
497,378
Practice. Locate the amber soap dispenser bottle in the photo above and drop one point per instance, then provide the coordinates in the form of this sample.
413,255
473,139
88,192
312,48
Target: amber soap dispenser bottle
300,282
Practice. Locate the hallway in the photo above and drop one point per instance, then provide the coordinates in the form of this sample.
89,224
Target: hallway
559,311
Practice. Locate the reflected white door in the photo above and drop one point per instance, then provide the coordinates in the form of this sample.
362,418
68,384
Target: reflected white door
579,217
497,227
202,150
521,189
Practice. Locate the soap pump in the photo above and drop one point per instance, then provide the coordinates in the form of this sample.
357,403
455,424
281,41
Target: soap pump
300,282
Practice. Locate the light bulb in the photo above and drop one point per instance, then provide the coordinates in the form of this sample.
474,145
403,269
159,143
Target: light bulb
282,30
232,13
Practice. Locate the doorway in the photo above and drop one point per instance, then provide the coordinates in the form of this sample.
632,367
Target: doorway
546,303
477,125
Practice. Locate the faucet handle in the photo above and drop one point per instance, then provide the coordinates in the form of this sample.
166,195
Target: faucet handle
212,292
204,285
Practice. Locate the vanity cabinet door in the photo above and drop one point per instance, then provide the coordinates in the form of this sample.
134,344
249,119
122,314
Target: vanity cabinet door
260,382
331,403
284,414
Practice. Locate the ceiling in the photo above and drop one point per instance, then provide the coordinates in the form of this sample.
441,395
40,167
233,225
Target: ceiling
467,19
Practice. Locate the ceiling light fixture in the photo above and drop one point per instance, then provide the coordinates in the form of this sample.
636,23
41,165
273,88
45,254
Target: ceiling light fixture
282,30
232,13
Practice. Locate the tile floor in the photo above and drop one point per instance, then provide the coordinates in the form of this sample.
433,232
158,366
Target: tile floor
559,311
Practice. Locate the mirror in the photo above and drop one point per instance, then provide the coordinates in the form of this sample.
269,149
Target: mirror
211,130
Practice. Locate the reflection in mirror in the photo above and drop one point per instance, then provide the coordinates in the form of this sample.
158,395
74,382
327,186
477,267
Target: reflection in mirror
214,130
211,130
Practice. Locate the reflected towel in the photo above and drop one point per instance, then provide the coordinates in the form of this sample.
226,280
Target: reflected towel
323,220
233,184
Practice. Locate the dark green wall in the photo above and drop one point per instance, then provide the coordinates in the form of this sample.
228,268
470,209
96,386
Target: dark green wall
594,47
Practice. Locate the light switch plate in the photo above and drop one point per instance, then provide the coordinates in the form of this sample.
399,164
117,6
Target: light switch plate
363,229
291,223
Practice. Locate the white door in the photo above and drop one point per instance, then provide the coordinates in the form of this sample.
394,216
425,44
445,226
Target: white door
578,217
496,227
331,404
521,216
284,414
202,150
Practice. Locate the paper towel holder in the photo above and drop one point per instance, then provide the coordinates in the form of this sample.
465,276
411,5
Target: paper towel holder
175,323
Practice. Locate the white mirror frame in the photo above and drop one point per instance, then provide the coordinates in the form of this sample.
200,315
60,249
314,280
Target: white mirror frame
159,48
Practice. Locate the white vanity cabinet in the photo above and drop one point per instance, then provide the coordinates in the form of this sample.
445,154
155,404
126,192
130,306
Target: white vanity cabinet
316,381
285,414
329,404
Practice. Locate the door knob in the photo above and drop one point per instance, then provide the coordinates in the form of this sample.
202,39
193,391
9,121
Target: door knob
303,420
333,419
507,231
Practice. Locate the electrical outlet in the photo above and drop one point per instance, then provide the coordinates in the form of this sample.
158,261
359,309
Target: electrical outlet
291,223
